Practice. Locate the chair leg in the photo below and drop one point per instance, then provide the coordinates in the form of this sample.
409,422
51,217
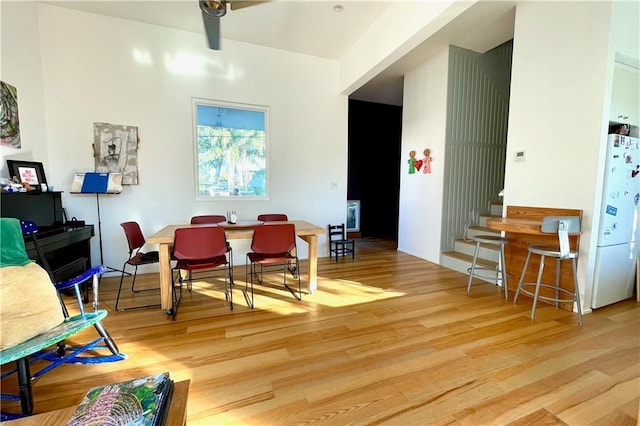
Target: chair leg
286,267
473,266
503,269
176,300
133,283
120,286
24,382
521,282
576,290
557,282
117,308
228,293
248,280
108,340
537,292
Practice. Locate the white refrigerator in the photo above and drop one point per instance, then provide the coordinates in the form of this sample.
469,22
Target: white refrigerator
619,230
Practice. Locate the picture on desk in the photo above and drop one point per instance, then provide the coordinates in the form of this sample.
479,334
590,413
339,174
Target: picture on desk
30,172
97,183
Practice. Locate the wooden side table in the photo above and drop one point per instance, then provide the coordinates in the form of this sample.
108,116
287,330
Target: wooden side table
177,411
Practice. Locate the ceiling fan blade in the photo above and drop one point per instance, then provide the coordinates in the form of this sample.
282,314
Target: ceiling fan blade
239,4
212,30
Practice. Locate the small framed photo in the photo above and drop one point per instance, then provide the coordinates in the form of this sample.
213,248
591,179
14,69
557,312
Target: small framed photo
27,171
353,215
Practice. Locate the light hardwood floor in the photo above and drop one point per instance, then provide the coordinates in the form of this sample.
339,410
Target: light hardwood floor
387,339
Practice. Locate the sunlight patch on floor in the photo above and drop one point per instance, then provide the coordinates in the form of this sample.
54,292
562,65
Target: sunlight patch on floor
337,293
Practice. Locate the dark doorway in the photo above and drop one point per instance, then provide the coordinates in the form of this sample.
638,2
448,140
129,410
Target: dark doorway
375,132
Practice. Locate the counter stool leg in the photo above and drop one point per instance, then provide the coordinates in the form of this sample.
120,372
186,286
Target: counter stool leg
503,270
473,266
535,296
576,290
557,282
524,272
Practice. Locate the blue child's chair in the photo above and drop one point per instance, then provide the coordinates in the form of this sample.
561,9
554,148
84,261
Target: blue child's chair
35,321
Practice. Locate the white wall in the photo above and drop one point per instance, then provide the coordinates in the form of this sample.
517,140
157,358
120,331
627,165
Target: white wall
556,111
423,126
20,66
102,69
397,31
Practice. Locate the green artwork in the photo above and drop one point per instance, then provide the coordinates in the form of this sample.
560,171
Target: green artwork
9,123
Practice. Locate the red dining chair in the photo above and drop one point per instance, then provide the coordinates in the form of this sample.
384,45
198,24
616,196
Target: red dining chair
273,217
135,240
202,250
278,217
272,244
213,218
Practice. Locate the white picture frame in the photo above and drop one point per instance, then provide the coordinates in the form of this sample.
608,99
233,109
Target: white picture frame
353,215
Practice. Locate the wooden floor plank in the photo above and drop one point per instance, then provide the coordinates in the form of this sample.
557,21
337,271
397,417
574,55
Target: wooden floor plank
388,339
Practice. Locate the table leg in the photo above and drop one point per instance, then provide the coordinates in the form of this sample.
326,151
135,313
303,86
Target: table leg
166,299
312,272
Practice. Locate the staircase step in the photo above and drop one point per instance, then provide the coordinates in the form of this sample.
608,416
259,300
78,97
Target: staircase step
487,251
481,230
461,262
483,217
495,208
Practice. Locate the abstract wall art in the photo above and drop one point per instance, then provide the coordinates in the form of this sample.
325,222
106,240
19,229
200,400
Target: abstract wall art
115,149
9,123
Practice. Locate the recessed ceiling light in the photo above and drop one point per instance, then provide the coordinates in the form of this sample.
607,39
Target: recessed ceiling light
338,8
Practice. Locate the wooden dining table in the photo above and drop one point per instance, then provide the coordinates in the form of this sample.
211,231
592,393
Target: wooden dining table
306,231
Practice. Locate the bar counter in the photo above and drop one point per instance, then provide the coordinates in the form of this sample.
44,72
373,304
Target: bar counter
522,227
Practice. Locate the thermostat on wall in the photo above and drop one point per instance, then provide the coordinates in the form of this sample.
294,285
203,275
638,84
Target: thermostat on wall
520,156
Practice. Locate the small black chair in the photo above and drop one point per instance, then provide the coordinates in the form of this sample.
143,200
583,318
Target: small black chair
338,242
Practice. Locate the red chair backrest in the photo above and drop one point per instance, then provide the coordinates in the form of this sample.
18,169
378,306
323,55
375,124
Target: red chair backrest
134,235
273,217
199,243
274,239
213,218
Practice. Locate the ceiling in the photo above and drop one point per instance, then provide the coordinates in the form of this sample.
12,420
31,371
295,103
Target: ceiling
318,29
315,28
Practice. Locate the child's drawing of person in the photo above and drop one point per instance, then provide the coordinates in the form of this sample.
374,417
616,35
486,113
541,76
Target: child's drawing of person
427,161
412,162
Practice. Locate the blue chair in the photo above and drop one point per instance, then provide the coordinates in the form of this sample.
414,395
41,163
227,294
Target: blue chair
49,344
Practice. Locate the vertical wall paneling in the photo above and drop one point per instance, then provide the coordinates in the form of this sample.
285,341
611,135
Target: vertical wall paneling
477,117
